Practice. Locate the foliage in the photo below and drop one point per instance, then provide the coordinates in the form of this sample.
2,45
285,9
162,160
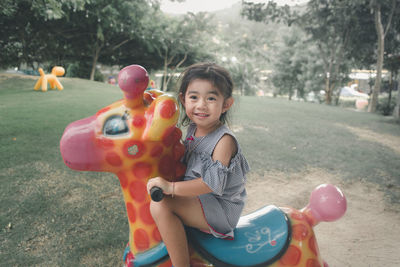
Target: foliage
298,67
180,41
244,47
341,30
90,32
384,106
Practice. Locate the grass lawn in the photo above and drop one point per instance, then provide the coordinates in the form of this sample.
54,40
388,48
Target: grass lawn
53,216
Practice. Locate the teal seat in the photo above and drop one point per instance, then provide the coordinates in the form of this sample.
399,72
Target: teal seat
260,239
150,257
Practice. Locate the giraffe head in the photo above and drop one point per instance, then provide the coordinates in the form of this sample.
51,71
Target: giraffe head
137,129
136,138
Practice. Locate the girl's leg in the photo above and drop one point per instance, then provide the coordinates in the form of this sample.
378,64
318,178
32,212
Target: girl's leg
170,215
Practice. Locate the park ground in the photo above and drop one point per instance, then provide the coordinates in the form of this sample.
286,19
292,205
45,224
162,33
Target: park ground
53,216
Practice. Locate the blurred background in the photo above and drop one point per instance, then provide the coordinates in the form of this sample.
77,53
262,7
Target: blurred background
318,51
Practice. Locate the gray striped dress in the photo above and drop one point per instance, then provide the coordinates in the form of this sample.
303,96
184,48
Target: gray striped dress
223,206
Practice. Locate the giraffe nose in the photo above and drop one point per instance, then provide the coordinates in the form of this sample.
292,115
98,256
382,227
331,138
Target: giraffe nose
78,148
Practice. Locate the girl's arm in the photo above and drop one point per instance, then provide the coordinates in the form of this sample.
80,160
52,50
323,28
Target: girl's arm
225,149
191,188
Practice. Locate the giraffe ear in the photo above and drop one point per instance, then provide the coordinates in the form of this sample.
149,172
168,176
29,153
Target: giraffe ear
162,115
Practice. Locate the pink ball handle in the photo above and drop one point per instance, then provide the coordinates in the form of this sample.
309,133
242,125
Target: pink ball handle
133,81
327,203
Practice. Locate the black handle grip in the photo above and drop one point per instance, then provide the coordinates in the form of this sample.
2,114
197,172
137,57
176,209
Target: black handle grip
156,194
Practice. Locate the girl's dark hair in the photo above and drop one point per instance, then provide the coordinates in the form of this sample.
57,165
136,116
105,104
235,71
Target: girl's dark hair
217,75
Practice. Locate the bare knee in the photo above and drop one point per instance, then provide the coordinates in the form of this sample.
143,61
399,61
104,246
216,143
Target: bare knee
160,209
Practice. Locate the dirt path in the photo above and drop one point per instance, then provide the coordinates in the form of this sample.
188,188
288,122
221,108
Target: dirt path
367,235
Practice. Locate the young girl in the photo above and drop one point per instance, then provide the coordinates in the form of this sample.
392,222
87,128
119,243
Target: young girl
212,194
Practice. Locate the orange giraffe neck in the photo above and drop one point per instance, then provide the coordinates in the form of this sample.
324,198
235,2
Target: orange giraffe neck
137,139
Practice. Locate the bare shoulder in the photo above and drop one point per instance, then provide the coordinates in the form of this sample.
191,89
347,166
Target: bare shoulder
225,149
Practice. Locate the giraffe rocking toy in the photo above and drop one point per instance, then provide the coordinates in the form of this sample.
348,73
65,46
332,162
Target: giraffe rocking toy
136,138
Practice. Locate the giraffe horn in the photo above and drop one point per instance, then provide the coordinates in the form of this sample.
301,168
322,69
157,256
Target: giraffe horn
133,81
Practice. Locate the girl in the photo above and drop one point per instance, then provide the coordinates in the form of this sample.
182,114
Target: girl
212,194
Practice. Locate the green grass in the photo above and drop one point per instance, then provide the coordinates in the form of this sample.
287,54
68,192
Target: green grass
53,216
292,135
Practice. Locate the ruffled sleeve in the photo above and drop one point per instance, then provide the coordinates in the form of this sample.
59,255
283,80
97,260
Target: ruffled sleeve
215,174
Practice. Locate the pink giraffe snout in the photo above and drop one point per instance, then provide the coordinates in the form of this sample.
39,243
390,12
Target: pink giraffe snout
78,147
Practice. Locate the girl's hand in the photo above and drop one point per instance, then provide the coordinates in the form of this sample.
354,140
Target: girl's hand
165,185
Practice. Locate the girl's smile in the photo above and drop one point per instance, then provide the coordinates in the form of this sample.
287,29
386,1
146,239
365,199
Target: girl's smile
204,105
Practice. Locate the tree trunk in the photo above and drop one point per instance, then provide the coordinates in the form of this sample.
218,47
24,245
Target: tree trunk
328,62
328,94
396,112
163,87
379,64
173,72
95,58
390,93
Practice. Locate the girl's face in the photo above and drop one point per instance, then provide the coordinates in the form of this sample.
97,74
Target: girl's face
204,104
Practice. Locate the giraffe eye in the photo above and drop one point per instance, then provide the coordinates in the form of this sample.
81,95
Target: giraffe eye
115,125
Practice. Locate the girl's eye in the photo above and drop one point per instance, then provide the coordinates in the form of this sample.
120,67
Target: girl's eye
193,97
211,98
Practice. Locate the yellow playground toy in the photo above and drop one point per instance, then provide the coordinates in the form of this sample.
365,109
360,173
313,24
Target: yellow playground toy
50,78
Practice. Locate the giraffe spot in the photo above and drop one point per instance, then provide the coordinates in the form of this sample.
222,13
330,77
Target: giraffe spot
133,149
168,137
180,170
113,159
104,143
172,135
123,179
298,216
138,121
131,212
141,239
166,166
156,235
312,263
145,214
167,263
177,135
179,150
142,170
103,110
156,151
137,190
168,109
312,244
300,232
291,257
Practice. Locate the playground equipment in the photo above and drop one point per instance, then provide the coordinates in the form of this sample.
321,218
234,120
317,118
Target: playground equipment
136,138
50,78
152,85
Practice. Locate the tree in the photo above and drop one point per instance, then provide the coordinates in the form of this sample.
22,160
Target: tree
21,27
381,31
180,41
103,27
297,63
243,47
329,24
336,28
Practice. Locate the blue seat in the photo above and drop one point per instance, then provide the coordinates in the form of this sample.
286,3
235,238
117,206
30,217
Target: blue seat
150,257
260,239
